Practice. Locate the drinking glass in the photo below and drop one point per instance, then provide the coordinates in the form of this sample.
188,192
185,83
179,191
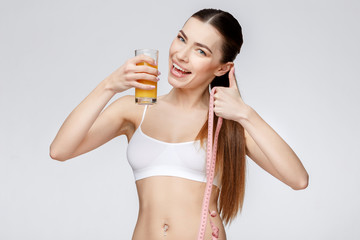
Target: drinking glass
147,97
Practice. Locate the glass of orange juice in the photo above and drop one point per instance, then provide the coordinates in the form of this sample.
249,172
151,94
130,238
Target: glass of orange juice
147,97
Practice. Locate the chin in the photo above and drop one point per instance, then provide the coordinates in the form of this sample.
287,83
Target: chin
176,83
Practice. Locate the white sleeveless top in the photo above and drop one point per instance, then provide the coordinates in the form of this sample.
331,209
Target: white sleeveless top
148,157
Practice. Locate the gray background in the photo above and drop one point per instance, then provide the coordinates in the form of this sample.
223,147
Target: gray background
299,69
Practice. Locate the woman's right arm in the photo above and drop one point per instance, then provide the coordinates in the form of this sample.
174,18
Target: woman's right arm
87,127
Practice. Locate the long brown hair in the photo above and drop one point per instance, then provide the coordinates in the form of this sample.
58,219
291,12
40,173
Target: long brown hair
230,159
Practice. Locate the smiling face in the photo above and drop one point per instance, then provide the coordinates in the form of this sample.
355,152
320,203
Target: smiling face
194,56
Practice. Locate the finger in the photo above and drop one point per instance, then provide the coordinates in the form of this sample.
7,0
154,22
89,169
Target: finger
144,76
146,69
215,102
143,86
216,111
143,58
217,92
232,79
215,89
216,96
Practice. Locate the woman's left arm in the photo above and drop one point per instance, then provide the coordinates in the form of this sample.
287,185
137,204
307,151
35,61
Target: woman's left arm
264,146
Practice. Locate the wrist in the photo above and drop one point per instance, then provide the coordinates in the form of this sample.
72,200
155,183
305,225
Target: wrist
245,115
108,85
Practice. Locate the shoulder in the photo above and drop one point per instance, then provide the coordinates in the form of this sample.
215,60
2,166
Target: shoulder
124,113
126,107
126,99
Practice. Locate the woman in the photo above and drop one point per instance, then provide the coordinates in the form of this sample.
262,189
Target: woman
170,173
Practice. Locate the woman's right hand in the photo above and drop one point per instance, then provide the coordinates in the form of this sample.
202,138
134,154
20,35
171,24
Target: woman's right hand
126,76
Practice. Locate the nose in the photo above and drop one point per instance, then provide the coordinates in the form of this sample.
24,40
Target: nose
183,54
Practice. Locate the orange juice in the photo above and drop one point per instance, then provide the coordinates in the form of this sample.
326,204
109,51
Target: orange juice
146,96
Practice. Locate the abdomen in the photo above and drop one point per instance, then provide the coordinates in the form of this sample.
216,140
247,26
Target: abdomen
170,209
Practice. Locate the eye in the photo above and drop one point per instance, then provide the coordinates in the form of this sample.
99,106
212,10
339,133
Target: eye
201,52
181,38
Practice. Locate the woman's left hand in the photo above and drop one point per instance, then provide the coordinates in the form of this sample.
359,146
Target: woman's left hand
227,101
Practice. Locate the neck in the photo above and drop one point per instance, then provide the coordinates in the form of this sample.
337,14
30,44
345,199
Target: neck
189,98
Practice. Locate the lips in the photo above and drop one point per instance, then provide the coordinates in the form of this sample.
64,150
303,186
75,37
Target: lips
179,71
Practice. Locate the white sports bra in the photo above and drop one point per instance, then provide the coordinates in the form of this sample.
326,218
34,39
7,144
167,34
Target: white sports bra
148,157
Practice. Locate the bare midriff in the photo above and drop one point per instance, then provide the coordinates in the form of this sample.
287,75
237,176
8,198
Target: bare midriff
170,209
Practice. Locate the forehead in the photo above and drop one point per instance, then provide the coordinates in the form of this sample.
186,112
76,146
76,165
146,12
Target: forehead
204,33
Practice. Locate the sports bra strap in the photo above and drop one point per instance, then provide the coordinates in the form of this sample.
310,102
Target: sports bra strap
143,116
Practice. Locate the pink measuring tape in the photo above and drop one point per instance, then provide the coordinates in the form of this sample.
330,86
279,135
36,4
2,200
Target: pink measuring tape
210,171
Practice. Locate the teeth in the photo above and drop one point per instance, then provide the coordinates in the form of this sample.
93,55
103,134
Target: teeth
179,68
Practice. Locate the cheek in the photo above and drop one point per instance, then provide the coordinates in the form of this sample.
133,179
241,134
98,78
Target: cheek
174,47
203,65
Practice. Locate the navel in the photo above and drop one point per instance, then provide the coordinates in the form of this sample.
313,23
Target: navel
165,229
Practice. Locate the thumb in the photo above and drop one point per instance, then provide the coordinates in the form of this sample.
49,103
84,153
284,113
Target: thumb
232,79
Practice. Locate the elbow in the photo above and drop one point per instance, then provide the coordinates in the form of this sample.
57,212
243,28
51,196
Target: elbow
302,183
54,154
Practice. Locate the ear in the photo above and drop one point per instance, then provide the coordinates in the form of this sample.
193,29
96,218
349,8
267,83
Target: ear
224,68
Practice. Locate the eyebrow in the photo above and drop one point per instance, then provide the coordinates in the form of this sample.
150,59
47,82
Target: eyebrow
196,43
